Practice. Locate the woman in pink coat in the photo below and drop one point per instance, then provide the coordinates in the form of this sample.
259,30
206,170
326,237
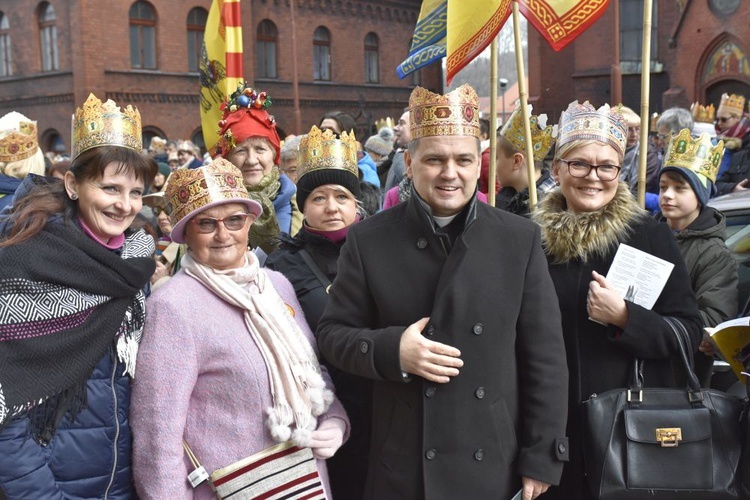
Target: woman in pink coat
227,362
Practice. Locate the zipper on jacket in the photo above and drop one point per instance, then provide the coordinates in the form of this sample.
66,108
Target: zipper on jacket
117,427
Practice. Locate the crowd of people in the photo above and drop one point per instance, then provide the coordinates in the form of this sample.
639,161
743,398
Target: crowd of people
358,299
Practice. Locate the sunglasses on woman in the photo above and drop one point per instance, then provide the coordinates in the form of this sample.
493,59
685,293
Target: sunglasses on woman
207,225
158,210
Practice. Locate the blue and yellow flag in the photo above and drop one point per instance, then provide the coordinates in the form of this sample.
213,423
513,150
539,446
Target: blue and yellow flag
221,64
428,44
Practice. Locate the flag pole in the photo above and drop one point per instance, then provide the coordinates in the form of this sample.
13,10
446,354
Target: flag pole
522,93
645,97
493,123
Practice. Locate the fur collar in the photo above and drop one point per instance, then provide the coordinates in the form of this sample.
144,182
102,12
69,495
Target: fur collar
568,236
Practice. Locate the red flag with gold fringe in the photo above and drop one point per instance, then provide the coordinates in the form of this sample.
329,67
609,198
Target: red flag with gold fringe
561,21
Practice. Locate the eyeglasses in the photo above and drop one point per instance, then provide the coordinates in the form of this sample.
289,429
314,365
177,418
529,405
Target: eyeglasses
232,223
158,210
722,119
580,169
663,136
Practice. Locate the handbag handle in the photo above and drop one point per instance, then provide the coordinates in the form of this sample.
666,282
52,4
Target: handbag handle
683,350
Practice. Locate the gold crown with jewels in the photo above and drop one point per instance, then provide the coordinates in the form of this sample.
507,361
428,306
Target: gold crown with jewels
733,104
585,122
542,137
320,150
698,155
455,113
105,124
703,114
18,137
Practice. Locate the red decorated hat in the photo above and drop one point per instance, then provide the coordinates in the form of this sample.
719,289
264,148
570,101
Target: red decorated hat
245,115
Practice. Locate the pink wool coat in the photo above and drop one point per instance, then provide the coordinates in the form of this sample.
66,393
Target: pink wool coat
201,376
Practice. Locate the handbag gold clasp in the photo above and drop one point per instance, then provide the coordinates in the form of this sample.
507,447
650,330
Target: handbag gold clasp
669,437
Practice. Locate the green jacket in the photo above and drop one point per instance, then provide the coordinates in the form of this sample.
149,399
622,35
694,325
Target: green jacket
712,268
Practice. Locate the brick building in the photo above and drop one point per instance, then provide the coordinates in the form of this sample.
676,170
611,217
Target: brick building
699,51
53,53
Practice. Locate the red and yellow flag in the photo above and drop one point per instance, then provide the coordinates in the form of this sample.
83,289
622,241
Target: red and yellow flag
471,27
561,21
221,64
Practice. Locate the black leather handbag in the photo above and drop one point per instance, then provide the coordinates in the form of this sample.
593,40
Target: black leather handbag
651,443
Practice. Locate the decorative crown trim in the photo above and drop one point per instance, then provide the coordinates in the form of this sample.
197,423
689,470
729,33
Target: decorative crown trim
584,122
17,145
698,155
105,124
455,113
191,189
703,114
542,136
734,104
321,150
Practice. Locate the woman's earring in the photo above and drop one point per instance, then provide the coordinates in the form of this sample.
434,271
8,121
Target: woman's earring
73,196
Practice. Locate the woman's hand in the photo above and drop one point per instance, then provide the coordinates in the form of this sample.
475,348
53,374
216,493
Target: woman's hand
604,304
160,272
327,438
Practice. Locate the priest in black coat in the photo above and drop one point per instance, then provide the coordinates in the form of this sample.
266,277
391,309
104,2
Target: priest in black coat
447,304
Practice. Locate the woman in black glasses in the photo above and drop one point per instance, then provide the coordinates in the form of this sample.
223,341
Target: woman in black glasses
228,364
583,223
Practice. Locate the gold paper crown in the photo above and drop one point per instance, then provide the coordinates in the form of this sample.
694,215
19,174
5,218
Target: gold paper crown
384,122
18,137
190,189
542,139
455,113
96,124
698,155
320,150
584,122
703,114
733,104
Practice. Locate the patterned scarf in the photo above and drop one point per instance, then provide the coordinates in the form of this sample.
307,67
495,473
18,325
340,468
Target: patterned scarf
63,300
297,387
264,232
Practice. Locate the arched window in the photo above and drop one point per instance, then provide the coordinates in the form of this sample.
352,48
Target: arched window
372,73
197,139
265,49
322,54
6,63
196,27
142,36
48,37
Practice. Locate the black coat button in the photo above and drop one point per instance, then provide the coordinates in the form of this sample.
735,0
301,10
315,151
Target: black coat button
478,329
430,454
479,454
363,347
430,330
430,391
422,243
480,392
561,448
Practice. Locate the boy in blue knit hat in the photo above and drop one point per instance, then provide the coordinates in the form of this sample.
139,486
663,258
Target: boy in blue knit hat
686,182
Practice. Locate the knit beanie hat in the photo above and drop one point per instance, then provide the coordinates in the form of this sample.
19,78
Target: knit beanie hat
380,143
164,169
702,185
